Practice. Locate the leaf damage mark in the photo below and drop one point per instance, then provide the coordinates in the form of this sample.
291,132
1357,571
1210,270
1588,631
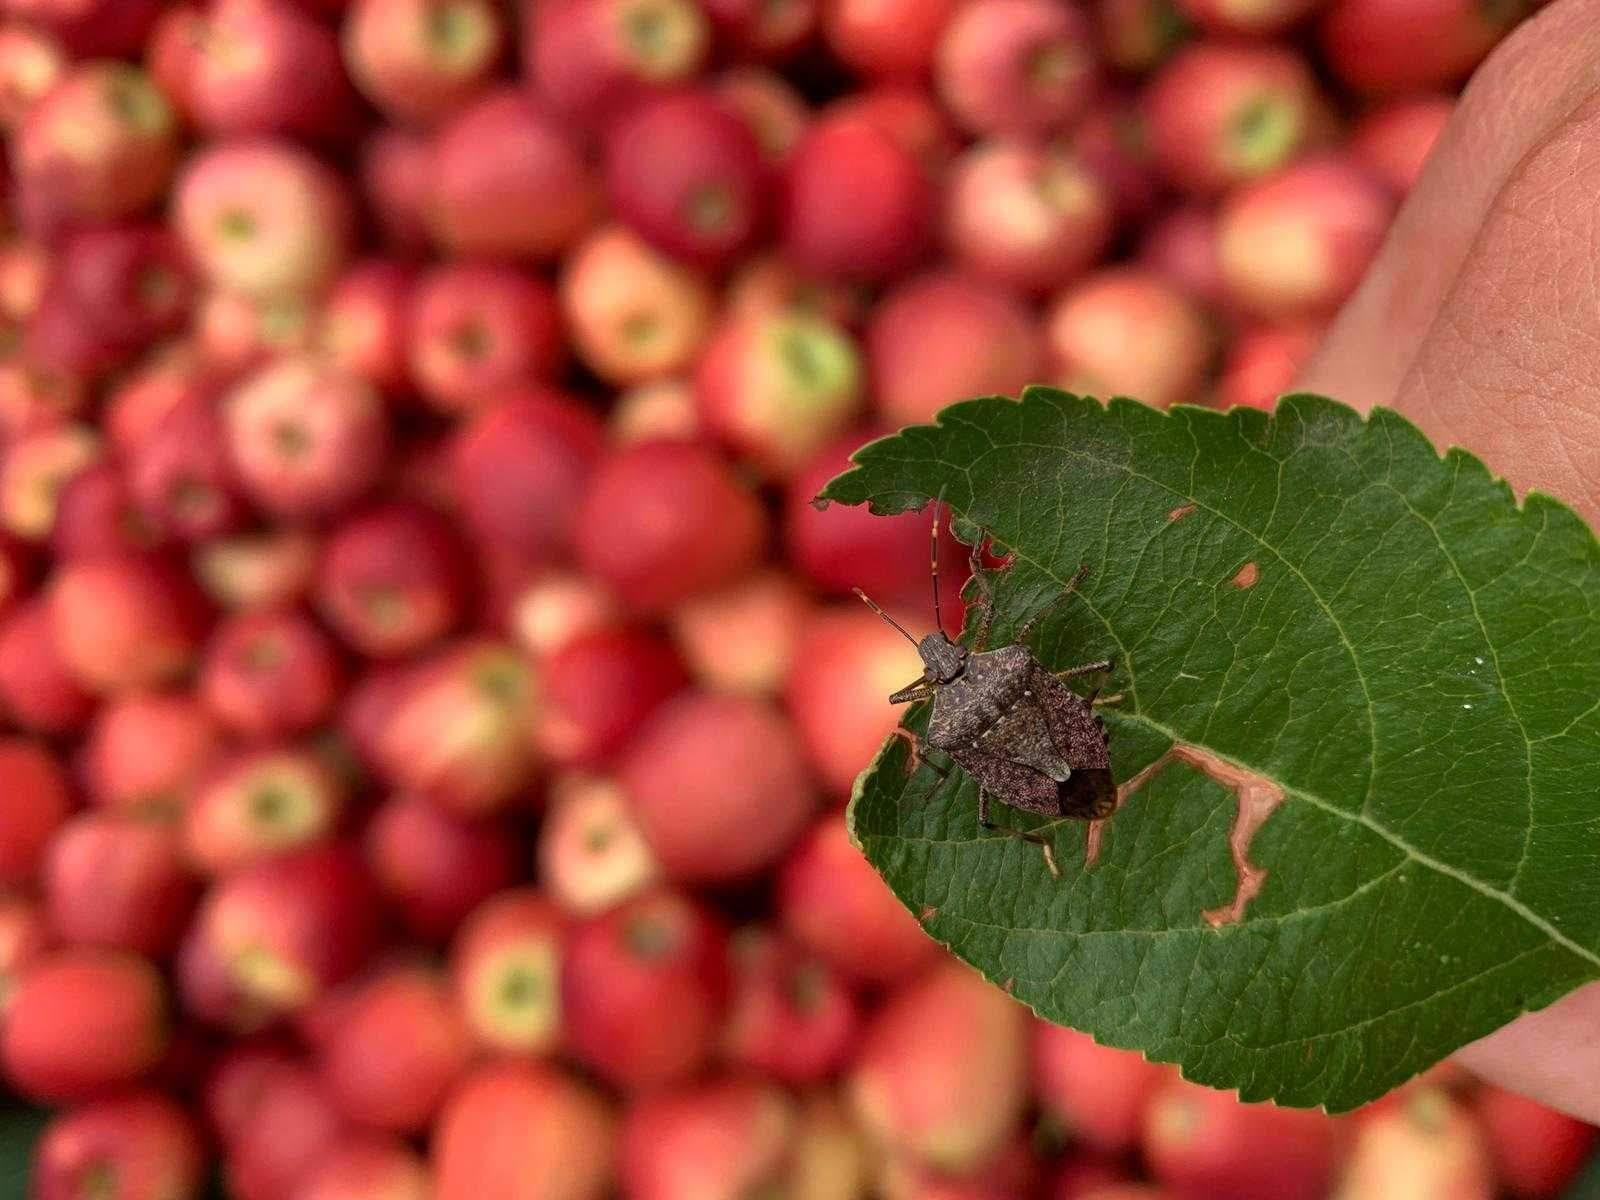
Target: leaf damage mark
1247,576
928,913
1179,513
1257,798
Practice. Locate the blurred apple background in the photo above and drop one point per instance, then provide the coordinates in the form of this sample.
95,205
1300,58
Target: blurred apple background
428,697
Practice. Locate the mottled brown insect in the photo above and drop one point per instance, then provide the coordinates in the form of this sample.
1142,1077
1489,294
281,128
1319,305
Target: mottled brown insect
1011,723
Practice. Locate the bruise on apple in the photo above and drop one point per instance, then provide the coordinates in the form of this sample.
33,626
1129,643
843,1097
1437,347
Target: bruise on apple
1257,798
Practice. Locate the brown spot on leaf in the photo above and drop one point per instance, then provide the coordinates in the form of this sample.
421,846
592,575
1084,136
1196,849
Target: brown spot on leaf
1010,984
1257,799
818,503
1179,513
928,913
1247,576
1091,841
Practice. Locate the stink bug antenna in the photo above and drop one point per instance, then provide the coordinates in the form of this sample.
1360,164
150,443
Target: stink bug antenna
933,565
873,605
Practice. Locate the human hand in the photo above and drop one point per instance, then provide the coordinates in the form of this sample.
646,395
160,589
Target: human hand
1480,320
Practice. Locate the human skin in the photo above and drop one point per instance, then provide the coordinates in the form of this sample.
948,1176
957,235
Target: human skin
1478,321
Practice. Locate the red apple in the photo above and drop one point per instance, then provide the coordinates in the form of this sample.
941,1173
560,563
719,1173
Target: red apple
1248,18
1098,1093
31,62
97,516
1296,243
285,1131
172,51
1024,216
643,989
1221,113
1011,1171
742,640
396,178
547,609
421,60
942,1070
262,217
82,1022
138,1146
305,440
272,569
374,1168
910,117
1406,45
665,521
267,67
99,146
269,675
766,102
848,663
895,40
833,902
113,291
1393,139
520,1132
634,314
258,803
1128,332
23,938
397,1048
480,328
763,30
719,785
34,398
236,333
687,174
34,802
117,882
1137,35
362,325
1181,245
592,59
38,690
124,623
393,579
180,475
1019,67
592,853
1263,362
792,1017
776,387
285,929
34,471
433,867
505,965
508,181
726,1137
1537,1151
855,204
520,468
1426,1146
599,689
460,729
1201,1143
943,337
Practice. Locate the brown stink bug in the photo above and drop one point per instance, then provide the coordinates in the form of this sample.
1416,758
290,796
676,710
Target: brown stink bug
1005,718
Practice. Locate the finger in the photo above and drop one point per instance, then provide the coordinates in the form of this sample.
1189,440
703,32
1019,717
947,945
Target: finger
1529,86
1508,367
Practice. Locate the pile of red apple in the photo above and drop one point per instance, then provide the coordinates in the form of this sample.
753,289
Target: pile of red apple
427,694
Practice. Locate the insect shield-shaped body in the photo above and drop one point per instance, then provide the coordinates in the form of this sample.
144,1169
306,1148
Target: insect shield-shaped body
1028,739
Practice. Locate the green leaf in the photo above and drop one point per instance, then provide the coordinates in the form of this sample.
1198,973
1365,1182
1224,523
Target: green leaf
19,1132
1321,602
